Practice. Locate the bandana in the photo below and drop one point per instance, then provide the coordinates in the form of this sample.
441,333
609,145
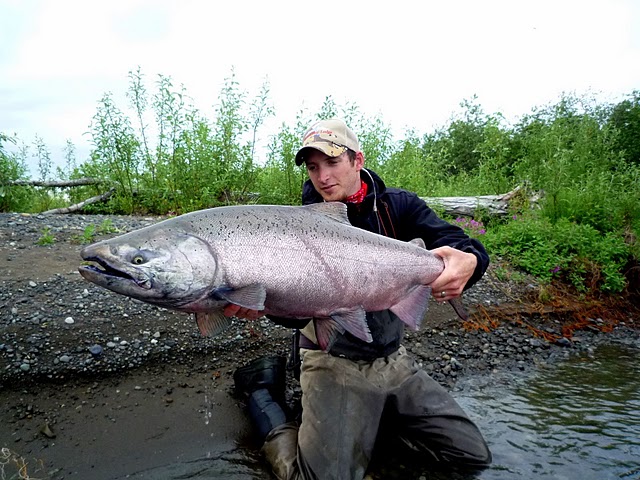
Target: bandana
358,197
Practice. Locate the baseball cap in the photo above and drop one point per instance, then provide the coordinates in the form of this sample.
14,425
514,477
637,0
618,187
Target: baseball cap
332,137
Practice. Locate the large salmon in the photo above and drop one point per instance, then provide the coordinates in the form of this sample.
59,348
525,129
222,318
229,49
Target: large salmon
294,262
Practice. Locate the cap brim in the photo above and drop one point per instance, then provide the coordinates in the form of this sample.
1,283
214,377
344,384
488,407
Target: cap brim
328,148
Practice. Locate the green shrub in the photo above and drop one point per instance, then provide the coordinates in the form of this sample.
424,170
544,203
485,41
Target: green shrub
46,238
577,253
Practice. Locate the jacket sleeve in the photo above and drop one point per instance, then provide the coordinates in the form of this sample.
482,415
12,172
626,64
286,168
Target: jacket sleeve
416,219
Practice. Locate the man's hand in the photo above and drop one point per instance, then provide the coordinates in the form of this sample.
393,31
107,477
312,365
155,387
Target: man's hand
233,310
458,269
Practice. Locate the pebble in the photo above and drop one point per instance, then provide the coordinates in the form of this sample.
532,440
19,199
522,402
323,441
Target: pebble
45,349
96,350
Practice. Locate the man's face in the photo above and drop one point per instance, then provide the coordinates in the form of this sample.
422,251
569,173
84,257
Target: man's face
335,178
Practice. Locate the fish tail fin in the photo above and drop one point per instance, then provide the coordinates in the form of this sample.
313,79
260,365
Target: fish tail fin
457,305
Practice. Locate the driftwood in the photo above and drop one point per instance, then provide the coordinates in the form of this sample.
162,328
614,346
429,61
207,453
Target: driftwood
78,182
84,203
467,206
56,183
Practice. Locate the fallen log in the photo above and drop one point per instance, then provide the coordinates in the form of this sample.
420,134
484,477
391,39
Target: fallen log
56,183
84,203
467,206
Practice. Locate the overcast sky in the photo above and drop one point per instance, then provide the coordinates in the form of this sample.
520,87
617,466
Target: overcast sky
412,62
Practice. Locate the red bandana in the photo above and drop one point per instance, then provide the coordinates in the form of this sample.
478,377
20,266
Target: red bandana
358,197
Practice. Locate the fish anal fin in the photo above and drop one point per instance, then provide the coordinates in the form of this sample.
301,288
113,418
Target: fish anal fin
250,296
212,323
335,210
327,330
354,321
412,307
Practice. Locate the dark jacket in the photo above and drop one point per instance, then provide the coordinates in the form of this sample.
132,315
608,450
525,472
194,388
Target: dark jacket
404,216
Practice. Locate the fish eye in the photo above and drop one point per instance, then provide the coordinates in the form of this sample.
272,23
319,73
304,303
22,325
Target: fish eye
138,260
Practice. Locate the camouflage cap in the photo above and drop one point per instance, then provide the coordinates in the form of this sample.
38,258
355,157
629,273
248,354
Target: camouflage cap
332,137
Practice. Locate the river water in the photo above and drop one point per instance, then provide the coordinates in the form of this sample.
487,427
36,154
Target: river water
578,419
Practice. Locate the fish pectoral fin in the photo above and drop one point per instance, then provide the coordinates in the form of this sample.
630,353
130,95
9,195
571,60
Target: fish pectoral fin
327,330
212,323
250,296
334,210
412,307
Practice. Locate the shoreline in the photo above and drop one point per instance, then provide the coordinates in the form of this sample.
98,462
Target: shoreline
84,371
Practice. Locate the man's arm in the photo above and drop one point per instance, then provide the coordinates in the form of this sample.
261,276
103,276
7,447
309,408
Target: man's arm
465,258
233,310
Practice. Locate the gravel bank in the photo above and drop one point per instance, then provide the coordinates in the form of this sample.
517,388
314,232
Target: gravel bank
64,341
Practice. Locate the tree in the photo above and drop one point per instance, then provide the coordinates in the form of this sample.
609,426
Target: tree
625,117
12,167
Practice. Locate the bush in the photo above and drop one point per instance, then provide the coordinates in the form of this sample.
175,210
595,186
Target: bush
12,167
566,250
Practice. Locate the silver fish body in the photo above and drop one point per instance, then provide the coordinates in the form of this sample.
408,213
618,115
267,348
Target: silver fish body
293,262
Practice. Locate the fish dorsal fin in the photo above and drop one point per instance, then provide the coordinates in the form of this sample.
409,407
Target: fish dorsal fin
411,308
419,242
250,296
335,210
212,323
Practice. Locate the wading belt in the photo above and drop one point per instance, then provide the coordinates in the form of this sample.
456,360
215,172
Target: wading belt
304,342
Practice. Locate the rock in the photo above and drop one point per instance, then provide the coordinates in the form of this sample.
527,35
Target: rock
96,350
69,321
564,342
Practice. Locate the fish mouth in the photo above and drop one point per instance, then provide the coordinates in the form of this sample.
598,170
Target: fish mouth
106,273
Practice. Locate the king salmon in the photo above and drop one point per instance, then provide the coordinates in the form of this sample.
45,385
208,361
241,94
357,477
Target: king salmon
302,262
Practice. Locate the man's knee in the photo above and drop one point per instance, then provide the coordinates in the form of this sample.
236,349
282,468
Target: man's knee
281,449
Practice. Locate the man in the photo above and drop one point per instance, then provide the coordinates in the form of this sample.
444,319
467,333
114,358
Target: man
349,392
